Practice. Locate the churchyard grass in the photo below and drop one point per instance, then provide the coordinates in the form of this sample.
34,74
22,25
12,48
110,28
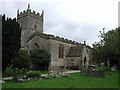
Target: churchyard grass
74,81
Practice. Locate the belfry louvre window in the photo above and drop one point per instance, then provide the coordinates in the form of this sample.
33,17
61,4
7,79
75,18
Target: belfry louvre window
61,51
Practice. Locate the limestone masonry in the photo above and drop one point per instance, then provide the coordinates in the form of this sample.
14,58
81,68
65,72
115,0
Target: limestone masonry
64,53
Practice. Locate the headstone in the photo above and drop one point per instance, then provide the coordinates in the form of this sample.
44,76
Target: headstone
90,72
113,68
101,73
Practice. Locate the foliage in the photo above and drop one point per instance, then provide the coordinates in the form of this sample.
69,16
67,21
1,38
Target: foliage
108,49
11,33
74,67
33,74
22,60
101,67
8,71
18,73
40,59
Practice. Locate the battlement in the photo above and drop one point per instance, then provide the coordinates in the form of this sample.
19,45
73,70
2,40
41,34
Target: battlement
30,13
57,38
64,40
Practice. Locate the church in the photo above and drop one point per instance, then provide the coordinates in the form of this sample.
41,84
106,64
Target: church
64,53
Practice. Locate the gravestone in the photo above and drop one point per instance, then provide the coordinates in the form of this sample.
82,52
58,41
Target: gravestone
90,72
113,68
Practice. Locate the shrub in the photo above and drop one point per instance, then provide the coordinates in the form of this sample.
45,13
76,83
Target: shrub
33,74
22,60
40,59
8,71
15,72
18,73
74,67
101,67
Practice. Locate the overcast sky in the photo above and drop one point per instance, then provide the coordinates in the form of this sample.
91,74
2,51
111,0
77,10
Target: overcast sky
78,20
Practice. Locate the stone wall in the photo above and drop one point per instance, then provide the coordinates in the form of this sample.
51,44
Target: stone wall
54,50
42,43
74,61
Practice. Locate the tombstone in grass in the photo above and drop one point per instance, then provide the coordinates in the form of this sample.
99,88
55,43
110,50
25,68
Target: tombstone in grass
101,73
113,68
90,72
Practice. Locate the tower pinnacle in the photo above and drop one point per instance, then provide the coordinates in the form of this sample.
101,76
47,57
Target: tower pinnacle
42,11
18,11
28,6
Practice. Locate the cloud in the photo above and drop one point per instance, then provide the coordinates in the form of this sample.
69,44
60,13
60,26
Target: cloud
79,20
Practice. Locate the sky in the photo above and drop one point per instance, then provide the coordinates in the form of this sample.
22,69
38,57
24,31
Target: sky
78,20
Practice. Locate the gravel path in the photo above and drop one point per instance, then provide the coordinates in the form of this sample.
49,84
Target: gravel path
72,71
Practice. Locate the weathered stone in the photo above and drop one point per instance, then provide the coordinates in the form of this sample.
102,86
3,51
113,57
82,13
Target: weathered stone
90,72
113,68
32,37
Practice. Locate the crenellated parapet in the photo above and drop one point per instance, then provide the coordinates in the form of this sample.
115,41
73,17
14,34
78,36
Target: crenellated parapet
28,12
57,38
52,37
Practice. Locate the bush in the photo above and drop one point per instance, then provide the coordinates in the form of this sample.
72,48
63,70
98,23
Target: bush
40,59
18,73
101,67
74,67
8,71
22,60
33,74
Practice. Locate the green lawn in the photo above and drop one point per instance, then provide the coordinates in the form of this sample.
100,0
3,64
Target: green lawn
74,81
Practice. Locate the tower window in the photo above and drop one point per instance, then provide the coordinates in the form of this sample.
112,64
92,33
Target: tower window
61,51
35,26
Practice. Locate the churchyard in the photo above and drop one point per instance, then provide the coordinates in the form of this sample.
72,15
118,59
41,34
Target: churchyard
73,80
31,50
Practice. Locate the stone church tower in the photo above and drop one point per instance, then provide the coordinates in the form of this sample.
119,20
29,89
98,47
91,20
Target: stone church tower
30,22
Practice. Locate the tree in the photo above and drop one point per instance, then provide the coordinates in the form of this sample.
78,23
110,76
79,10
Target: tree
97,52
11,33
22,60
108,48
40,59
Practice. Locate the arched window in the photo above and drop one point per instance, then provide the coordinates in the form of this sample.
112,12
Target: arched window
85,60
72,61
36,46
61,51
